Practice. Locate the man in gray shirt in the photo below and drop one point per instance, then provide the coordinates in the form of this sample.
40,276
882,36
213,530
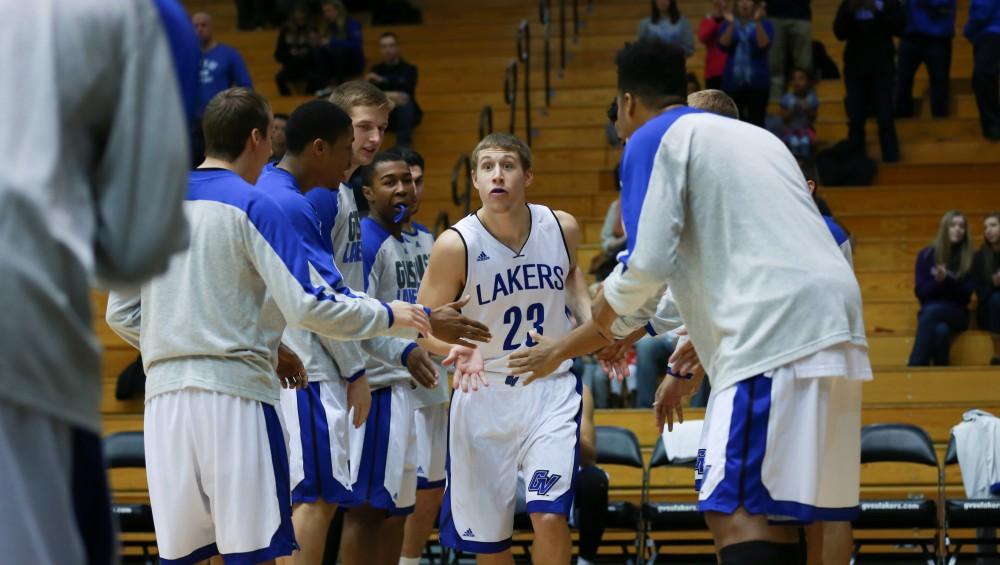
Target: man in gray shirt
94,136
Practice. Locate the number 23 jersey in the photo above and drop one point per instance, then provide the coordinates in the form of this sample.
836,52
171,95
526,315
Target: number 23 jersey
516,291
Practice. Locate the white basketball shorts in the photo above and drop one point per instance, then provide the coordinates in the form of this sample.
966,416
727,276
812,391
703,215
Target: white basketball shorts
496,432
318,422
783,446
431,427
217,469
387,470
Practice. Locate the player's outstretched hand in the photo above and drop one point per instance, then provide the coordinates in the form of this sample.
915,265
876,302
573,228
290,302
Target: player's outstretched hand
470,369
291,373
669,397
450,326
359,397
539,360
613,356
685,360
408,315
422,368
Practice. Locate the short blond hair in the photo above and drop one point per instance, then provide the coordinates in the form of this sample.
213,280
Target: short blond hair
504,142
356,93
715,101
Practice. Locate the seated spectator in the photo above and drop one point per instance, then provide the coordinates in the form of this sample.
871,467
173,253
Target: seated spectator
799,107
341,55
986,272
667,23
296,51
867,27
747,78
222,67
927,38
792,44
708,34
983,31
254,14
944,285
398,79
278,141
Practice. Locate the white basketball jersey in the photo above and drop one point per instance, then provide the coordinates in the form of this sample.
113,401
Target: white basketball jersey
515,291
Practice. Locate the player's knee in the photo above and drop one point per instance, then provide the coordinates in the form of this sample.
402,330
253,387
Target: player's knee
548,522
755,552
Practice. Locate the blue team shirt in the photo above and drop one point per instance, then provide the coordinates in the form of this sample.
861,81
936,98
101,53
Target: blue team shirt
222,67
185,50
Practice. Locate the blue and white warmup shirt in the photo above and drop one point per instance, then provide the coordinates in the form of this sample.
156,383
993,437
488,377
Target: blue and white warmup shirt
214,320
419,242
392,272
715,208
340,227
319,354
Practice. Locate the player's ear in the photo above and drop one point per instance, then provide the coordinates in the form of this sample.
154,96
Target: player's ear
368,192
318,145
529,176
628,105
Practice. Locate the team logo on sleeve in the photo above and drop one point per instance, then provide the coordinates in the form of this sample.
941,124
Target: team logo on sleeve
542,482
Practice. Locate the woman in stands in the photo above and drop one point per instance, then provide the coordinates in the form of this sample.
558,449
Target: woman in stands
667,23
747,76
986,272
944,285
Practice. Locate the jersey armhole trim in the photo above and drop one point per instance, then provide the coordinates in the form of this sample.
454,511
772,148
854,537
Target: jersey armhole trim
561,234
465,279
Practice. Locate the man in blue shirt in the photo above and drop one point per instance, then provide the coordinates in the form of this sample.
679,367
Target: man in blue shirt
930,27
222,66
983,31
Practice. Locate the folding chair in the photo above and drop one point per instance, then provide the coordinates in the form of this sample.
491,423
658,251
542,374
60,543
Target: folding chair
619,446
671,516
124,450
900,443
982,514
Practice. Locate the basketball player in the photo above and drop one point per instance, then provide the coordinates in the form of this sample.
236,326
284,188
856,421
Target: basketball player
430,405
385,491
716,209
208,330
519,266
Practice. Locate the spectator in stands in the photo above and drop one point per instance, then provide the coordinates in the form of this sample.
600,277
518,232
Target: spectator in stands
799,107
868,27
747,78
927,37
278,140
983,30
792,20
668,24
341,55
254,14
398,79
222,66
944,285
986,271
296,51
708,34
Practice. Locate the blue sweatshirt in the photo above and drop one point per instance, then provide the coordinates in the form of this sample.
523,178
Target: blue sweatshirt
953,289
930,17
984,19
185,49
222,67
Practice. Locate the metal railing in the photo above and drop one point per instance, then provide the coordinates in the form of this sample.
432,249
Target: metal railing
544,18
485,121
510,92
461,169
524,56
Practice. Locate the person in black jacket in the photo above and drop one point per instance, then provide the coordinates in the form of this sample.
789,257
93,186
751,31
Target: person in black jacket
398,79
296,51
868,27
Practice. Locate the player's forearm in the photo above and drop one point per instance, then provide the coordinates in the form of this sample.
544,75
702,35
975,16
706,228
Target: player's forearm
583,340
124,315
434,346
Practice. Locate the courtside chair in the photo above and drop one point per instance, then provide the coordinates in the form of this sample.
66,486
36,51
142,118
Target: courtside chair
900,443
620,446
981,514
124,450
671,516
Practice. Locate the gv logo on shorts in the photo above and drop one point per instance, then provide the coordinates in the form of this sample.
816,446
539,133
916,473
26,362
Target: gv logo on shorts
542,482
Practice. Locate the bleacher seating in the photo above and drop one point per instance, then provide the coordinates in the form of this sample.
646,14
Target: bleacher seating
462,51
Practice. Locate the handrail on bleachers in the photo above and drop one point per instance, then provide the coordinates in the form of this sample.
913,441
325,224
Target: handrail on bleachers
465,198
510,92
524,57
485,121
